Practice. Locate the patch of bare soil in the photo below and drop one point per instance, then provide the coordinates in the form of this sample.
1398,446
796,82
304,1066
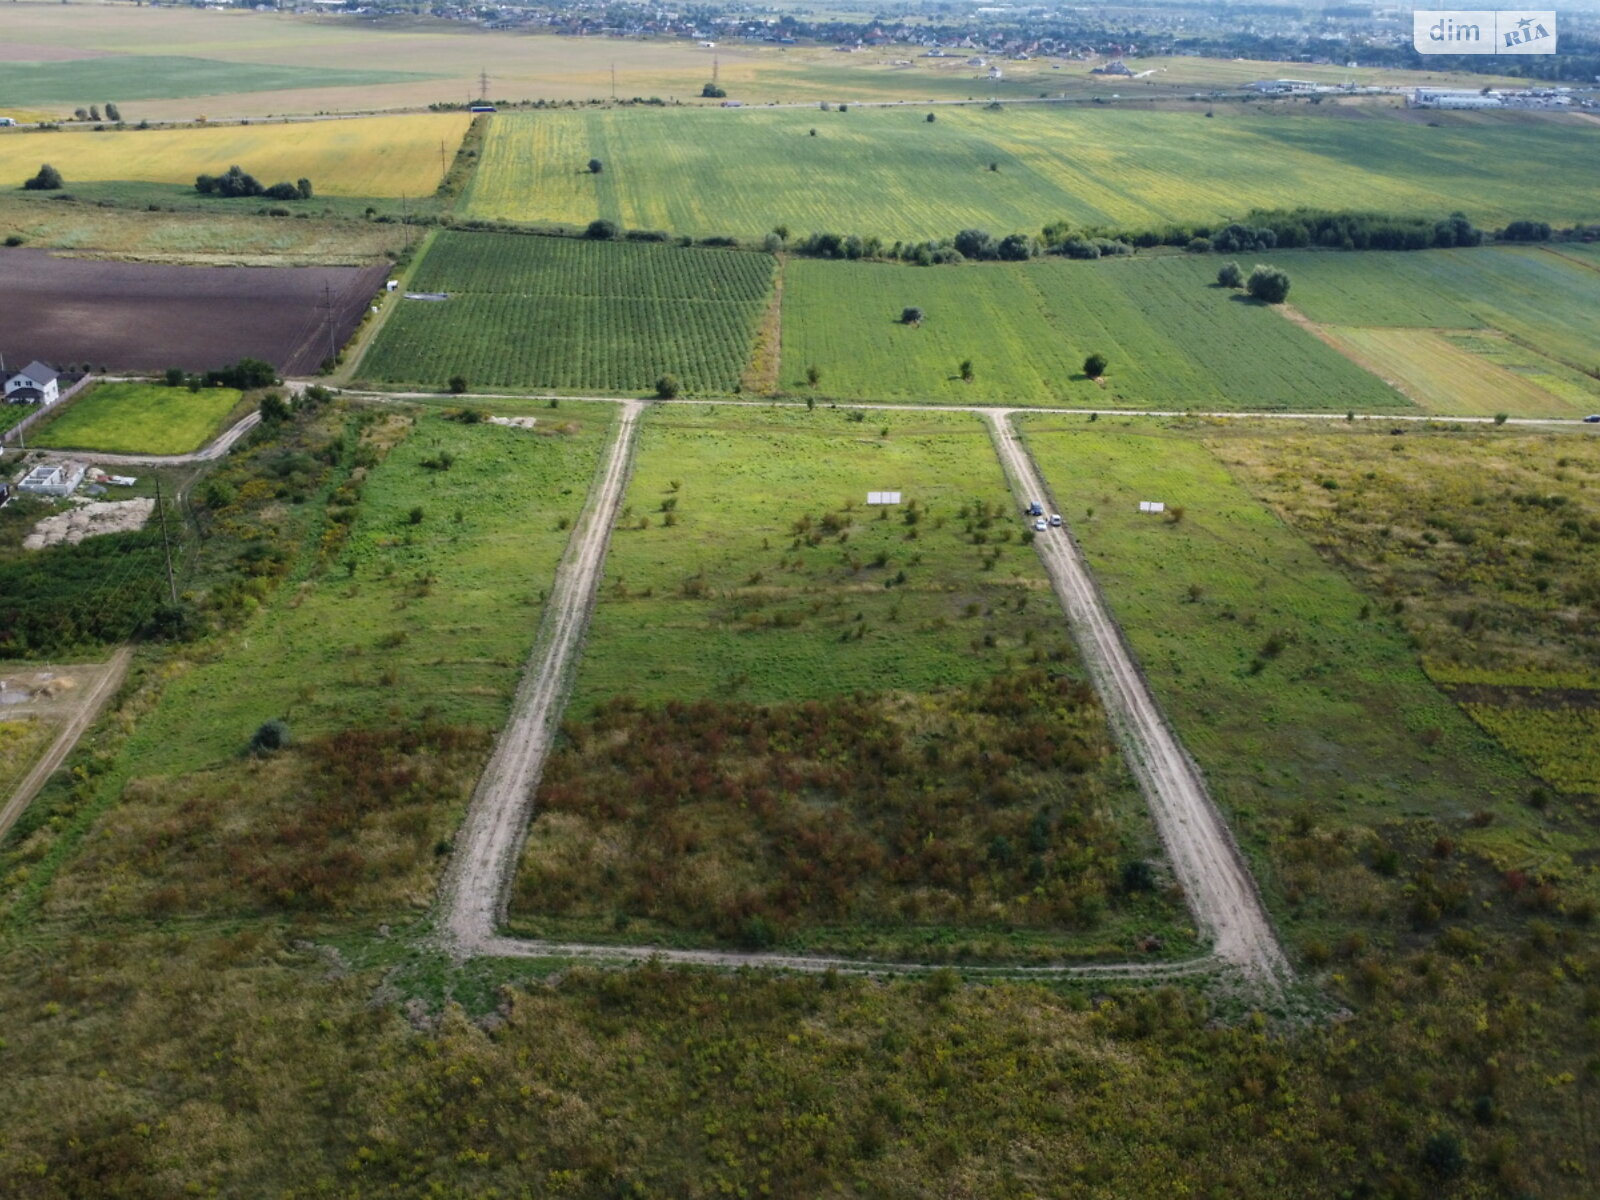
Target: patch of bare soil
89,520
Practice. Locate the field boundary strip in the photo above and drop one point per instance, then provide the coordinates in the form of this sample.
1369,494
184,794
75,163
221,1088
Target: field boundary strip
477,885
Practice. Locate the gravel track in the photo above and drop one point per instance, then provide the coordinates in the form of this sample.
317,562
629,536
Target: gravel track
491,837
1215,878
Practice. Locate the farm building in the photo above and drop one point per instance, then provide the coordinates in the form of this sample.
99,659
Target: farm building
34,384
56,479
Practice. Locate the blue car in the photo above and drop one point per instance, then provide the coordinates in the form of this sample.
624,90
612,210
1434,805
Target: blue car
1592,419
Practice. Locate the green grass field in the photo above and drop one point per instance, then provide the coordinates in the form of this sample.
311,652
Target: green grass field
1300,696
723,603
436,615
80,82
1173,341
1544,298
536,312
887,171
138,418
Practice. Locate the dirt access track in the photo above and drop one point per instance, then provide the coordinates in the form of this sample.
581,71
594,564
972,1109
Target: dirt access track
1216,880
147,317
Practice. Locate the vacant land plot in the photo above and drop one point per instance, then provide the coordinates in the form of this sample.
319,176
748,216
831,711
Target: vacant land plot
139,418
1297,692
145,317
1488,548
534,312
1459,375
1173,340
391,667
1545,299
768,640
69,83
890,172
367,156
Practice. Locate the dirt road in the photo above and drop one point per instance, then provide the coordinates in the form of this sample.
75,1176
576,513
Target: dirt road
110,679
491,837
1216,881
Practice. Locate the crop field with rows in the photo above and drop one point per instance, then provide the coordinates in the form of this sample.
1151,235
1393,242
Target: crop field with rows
1545,299
1468,373
1173,340
888,171
536,312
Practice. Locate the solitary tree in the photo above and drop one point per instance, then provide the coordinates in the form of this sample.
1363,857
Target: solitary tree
602,230
113,113
966,370
47,180
1230,276
596,166
667,387
712,91
458,384
1268,284
911,315
1095,365
931,118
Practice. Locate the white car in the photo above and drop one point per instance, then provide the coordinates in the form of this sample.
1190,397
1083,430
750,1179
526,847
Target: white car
1039,525
1055,520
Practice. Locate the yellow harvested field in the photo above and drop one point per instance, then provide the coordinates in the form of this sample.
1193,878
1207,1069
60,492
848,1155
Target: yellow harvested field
1443,378
365,156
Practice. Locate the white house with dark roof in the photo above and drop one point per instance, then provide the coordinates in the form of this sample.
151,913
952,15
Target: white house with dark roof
34,384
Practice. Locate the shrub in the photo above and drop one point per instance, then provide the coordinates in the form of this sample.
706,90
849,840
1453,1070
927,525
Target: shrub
1229,275
270,736
1268,284
458,384
596,166
602,230
14,239
47,180
667,387
1094,366
911,316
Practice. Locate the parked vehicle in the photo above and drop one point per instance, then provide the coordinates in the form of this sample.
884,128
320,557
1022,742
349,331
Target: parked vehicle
1055,520
1035,509
1592,419
1039,525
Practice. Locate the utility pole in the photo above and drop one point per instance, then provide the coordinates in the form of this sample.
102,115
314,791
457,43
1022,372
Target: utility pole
166,546
483,87
443,169
716,67
613,81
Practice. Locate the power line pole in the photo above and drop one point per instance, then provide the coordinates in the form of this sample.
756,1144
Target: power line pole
613,81
166,546
483,86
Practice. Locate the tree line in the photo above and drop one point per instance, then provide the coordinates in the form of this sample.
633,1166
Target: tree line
235,181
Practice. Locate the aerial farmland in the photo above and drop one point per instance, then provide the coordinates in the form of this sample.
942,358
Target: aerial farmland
600,604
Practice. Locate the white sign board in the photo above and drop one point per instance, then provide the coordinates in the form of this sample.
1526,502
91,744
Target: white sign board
883,497
1152,506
